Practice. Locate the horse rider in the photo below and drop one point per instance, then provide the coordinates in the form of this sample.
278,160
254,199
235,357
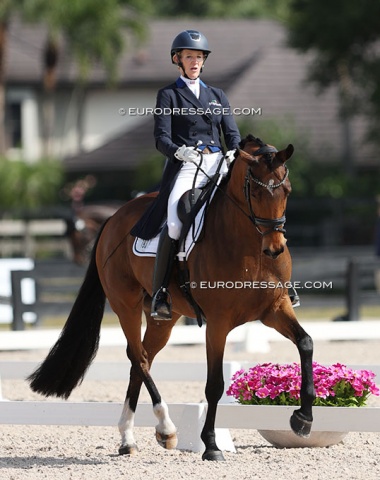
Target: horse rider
190,117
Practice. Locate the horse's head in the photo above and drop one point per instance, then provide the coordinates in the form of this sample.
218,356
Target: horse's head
266,188
83,228
82,234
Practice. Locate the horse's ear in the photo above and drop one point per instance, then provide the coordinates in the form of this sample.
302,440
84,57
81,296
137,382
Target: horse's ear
247,156
284,155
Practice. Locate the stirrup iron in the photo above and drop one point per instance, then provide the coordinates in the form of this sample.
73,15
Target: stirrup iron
161,305
294,298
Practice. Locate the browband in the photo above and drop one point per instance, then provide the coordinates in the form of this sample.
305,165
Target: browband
265,149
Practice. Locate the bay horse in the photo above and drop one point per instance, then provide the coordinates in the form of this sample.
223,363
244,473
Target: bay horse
83,228
243,242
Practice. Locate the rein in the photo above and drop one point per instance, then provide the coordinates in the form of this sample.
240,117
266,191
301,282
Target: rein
271,224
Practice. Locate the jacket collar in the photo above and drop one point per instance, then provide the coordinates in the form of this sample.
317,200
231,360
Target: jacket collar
181,84
202,102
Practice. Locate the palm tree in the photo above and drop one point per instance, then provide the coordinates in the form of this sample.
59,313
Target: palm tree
93,31
7,8
3,40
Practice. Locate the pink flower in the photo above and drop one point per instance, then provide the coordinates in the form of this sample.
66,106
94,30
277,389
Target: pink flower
275,384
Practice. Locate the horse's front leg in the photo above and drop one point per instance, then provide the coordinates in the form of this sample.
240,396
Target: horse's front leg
215,344
302,419
285,322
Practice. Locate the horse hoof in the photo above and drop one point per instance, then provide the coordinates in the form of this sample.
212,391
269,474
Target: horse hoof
300,425
213,455
128,450
167,441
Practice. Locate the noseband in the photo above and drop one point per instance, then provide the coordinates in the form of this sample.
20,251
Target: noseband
270,224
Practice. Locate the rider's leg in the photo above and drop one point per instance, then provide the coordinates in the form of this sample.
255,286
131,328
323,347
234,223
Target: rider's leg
167,249
161,304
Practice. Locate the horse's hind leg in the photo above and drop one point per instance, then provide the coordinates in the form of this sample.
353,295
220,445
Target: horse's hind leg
285,322
166,433
141,355
126,423
156,337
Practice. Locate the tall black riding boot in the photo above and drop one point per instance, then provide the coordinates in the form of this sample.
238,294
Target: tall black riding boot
161,302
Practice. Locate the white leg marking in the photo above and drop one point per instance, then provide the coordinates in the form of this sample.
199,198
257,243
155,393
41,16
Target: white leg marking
126,424
165,425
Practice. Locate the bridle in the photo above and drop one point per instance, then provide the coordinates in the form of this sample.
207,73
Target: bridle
270,224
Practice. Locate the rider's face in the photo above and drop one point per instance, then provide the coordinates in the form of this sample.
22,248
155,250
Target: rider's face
192,61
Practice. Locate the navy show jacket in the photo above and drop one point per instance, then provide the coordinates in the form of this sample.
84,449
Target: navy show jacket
183,119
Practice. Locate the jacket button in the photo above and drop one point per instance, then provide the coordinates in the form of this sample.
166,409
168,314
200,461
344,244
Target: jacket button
195,134
209,132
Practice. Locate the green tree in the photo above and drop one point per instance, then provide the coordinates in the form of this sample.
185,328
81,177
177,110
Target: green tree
7,9
309,177
30,185
222,9
280,133
94,31
344,36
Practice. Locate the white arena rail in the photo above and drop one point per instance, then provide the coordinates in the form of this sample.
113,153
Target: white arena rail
189,418
251,337
339,419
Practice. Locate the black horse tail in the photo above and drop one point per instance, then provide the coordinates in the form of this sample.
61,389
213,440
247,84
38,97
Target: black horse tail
68,360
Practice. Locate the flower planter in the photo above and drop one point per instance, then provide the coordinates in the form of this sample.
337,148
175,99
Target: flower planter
288,439
275,384
278,385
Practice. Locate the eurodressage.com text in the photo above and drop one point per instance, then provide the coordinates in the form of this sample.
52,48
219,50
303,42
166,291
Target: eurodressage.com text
260,284
136,111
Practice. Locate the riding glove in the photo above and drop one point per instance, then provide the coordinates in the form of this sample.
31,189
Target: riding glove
230,156
188,154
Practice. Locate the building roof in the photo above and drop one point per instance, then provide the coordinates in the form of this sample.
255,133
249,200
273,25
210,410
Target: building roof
232,43
124,152
250,60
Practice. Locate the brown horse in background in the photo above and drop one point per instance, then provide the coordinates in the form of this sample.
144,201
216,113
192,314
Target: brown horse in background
83,228
243,242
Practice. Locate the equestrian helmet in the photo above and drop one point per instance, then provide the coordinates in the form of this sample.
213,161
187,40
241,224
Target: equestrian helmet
191,40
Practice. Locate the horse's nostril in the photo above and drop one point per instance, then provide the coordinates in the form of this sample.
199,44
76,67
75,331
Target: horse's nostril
273,253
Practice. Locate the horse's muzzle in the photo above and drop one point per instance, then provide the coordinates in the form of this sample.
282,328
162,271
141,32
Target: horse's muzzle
273,253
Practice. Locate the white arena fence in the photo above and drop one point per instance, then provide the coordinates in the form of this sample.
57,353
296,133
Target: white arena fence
189,418
251,337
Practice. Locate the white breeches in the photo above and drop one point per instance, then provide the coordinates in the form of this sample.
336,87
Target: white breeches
184,182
